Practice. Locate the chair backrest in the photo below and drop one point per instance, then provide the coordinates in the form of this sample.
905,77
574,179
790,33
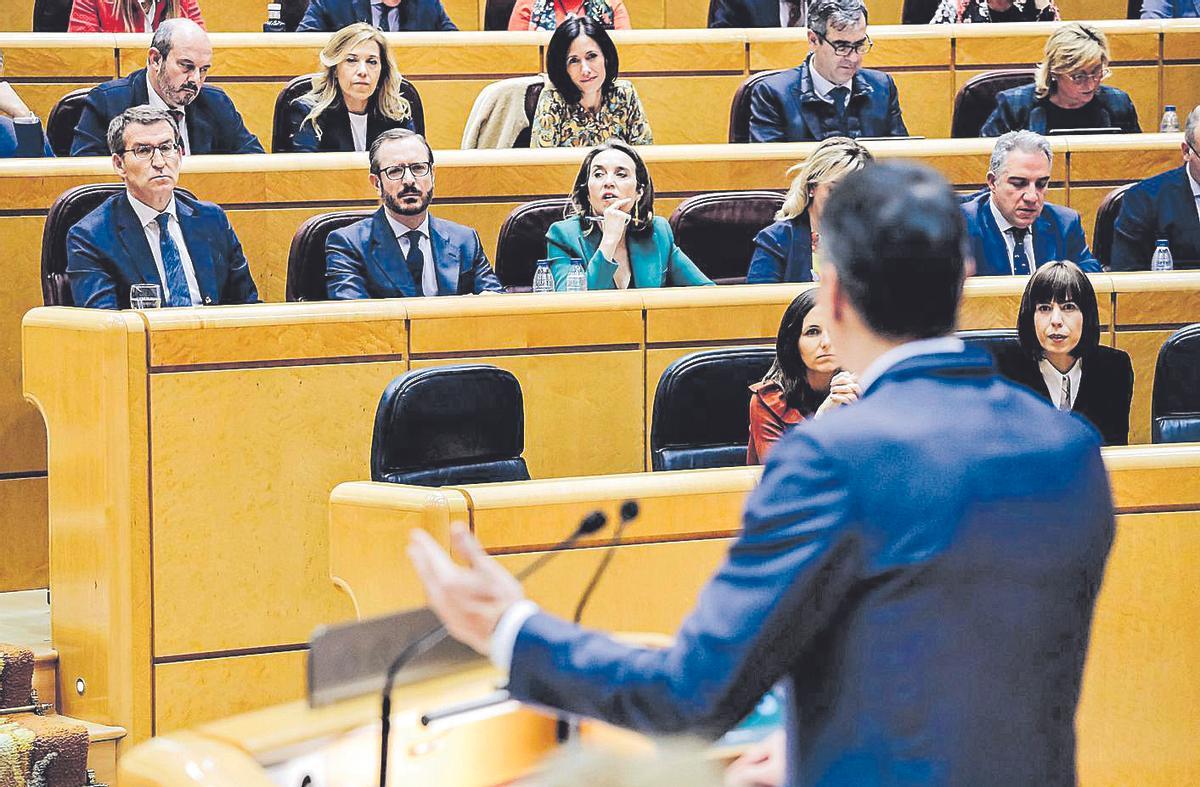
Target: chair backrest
995,341
64,117
1175,403
522,241
1133,9
281,127
532,94
306,257
71,206
977,98
739,110
917,12
702,408
497,13
717,230
450,425
1106,217
51,16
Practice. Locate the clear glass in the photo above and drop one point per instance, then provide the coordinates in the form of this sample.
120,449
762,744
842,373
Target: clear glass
576,277
1162,259
543,279
145,296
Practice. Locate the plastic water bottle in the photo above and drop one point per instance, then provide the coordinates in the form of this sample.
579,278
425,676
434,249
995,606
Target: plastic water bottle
576,277
1162,259
274,23
1170,120
543,279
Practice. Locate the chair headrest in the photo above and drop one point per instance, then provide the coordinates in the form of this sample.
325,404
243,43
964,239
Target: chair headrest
1177,374
739,109
522,240
977,98
306,257
717,230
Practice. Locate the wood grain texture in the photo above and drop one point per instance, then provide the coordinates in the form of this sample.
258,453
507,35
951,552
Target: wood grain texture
189,693
1142,347
25,534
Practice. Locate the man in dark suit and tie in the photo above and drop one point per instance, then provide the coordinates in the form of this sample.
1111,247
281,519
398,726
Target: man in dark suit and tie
1012,228
402,251
151,235
830,93
178,62
1166,206
923,581
388,15
757,13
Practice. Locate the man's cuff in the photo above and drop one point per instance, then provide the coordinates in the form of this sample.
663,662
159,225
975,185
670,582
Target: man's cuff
504,637
31,118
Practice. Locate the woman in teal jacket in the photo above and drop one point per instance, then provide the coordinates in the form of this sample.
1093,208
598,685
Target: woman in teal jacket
614,230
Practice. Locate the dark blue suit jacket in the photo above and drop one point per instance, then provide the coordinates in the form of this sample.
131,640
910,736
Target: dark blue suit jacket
926,582
1057,235
335,127
743,13
213,123
1019,108
1170,9
782,252
332,15
23,140
107,252
785,108
364,261
1159,207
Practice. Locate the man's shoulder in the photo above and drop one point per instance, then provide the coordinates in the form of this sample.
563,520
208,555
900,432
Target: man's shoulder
116,90
100,219
973,208
1153,185
202,210
453,231
1060,214
876,79
357,234
782,81
215,97
1021,95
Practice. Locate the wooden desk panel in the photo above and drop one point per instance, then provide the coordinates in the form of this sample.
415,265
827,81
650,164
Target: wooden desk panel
1179,87
195,692
58,56
1143,347
24,534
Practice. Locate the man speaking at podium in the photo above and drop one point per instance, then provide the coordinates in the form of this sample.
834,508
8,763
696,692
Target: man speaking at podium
921,567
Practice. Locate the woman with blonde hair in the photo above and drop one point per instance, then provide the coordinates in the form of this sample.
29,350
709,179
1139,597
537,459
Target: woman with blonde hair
1066,93
787,250
355,99
129,16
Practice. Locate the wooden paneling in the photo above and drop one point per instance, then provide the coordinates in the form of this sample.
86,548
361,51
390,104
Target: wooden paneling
24,534
58,55
193,692
1142,347
688,110
924,93
1092,9
1179,88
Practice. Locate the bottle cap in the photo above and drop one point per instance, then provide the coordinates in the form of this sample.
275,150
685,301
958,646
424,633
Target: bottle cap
1162,242
1170,108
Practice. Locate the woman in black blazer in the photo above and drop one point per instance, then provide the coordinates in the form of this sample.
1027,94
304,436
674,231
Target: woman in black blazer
1060,355
355,99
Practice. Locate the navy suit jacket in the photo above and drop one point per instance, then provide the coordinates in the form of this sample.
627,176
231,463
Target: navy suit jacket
364,261
1057,235
1020,108
743,13
925,582
213,123
1170,9
332,15
335,127
782,252
23,140
1159,207
107,252
784,107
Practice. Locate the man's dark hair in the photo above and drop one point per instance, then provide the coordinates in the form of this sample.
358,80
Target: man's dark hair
838,14
388,136
1059,282
560,43
896,237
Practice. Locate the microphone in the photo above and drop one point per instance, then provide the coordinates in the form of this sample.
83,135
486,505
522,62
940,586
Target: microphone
591,523
629,512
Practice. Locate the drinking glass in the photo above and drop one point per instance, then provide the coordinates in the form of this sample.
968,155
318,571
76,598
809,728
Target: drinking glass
145,296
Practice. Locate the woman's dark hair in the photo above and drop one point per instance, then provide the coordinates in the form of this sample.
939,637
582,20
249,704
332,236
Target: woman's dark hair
788,369
1059,282
556,55
642,212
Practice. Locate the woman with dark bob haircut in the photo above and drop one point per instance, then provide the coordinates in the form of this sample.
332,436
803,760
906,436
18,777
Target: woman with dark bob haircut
1061,358
586,104
611,226
803,382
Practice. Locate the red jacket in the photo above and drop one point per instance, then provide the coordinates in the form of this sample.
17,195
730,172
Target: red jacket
770,417
104,16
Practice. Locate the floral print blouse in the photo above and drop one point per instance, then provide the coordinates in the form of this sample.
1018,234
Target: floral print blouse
557,124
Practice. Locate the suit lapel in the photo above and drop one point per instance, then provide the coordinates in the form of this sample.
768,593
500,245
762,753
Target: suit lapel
446,260
362,11
805,98
800,260
139,91
200,251
1045,242
137,249
336,133
200,128
995,250
1182,188
1037,119
645,263
384,256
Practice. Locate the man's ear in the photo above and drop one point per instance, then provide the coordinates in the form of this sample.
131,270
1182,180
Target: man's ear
153,59
991,181
376,183
118,162
813,41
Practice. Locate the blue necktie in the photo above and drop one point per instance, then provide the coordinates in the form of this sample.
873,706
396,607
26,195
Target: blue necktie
1020,259
177,293
415,259
841,97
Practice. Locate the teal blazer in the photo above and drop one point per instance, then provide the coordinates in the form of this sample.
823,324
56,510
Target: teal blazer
653,257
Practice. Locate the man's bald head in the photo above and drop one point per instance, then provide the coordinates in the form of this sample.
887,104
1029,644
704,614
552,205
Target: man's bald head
179,58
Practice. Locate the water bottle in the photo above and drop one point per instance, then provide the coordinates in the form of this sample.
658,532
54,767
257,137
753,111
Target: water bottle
274,23
1170,120
576,277
1162,259
543,279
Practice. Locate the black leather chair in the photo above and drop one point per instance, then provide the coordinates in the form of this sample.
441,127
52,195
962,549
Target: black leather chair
702,408
994,341
497,13
976,99
282,130
450,425
1106,218
917,12
1175,404
717,230
64,117
51,16
522,241
532,94
306,256
739,110
71,206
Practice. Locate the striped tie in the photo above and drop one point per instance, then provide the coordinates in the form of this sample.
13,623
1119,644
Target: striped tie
177,293
1064,398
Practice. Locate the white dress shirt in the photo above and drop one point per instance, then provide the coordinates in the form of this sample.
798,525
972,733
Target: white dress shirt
156,101
1195,189
823,85
148,217
358,130
429,283
1054,380
1011,244
377,12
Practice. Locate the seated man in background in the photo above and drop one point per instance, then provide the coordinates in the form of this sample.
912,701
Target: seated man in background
151,235
1166,206
1012,228
21,134
390,16
757,13
830,93
178,62
402,251
1170,9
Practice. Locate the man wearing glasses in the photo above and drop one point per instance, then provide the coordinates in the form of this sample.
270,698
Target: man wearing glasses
152,235
401,251
830,93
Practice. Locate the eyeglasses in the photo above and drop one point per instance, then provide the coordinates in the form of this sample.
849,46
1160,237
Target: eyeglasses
419,170
1087,77
146,152
843,48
